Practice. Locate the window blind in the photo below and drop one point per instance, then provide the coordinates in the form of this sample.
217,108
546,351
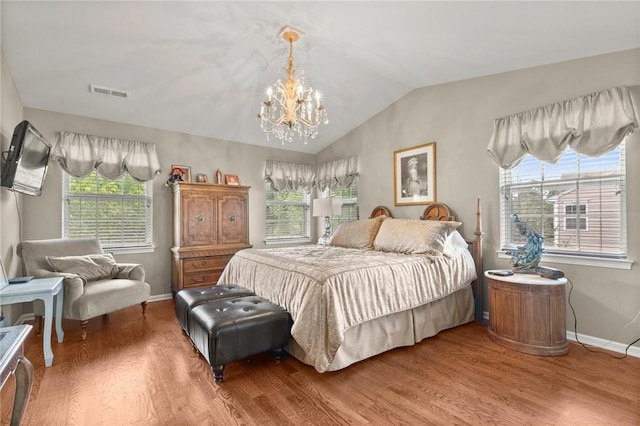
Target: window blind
288,214
578,204
117,212
349,199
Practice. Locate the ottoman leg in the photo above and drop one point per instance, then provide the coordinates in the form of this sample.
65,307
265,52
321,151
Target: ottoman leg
277,353
217,371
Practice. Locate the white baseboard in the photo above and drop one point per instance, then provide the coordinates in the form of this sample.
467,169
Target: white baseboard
604,344
24,318
160,297
594,341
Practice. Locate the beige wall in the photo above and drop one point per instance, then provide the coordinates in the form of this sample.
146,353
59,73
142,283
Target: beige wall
43,215
459,118
10,115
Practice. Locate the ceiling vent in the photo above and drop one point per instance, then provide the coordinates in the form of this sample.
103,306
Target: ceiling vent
107,91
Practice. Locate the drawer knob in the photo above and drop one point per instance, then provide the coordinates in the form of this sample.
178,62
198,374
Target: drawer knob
199,218
232,218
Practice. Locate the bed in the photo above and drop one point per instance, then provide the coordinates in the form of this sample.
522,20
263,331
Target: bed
381,283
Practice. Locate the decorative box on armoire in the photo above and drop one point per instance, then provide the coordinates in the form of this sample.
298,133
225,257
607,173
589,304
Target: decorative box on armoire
210,224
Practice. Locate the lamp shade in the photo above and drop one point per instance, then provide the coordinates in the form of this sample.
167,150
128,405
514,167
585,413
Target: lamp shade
323,207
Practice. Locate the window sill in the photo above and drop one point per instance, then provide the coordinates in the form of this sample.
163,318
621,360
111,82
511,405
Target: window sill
287,241
129,250
580,260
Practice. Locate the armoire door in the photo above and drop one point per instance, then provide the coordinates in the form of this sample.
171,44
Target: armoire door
199,218
232,219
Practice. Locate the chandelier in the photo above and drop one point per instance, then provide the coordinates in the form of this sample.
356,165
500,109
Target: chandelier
289,108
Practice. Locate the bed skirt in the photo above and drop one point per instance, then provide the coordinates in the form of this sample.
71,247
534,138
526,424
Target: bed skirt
399,329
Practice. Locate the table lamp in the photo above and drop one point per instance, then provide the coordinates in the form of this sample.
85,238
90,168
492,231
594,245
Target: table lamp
326,207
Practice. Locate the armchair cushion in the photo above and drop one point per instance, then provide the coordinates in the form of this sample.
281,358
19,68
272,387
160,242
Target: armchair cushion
92,267
131,271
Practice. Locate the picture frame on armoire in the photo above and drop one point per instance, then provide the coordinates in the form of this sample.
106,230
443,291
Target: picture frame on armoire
414,175
231,180
181,173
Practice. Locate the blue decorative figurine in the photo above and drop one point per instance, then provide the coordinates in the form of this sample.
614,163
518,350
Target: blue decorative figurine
525,259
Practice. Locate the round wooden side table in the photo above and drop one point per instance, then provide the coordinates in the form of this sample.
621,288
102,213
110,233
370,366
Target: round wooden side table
527,313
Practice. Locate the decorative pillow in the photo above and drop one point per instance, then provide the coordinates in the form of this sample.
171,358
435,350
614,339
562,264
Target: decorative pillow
91,267
414,236
357,234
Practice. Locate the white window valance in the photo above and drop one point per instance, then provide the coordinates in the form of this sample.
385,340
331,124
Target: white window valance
337,174
289,176
80,154
591,125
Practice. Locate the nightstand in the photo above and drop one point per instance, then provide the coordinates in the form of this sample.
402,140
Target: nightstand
527,313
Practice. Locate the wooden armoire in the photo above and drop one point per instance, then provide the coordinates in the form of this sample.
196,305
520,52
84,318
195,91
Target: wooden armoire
210,224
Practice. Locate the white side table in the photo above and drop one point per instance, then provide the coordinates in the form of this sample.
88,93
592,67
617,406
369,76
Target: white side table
527,313
45,289
13,361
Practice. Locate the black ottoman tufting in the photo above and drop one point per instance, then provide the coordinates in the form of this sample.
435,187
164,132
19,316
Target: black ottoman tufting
187,299
233,329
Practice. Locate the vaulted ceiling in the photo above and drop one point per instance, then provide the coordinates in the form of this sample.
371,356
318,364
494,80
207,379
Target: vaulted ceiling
202,67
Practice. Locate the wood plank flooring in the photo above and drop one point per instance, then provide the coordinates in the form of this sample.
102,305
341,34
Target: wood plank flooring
131,371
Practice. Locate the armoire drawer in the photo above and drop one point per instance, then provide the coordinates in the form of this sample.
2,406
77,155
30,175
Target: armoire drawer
202,278
204,263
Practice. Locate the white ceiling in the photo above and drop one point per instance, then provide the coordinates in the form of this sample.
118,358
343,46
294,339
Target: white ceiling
202,67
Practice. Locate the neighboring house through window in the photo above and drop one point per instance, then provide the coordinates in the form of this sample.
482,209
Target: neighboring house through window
117,212
578,204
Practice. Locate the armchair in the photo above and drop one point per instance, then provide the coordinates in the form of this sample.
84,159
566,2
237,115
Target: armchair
86,298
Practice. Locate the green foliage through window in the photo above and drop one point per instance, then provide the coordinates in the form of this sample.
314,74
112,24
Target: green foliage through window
288,214
117,212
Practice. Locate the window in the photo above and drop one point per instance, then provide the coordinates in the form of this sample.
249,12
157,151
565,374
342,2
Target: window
117,212
571,217
578,205
288,215
349,198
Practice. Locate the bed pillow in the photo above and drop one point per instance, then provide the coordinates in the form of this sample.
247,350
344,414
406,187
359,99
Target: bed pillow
357,234
455,245
414,236
91,267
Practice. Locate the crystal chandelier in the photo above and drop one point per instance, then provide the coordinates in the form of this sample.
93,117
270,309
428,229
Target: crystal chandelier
289,108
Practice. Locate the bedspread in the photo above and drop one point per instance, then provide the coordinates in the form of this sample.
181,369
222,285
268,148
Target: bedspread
327,290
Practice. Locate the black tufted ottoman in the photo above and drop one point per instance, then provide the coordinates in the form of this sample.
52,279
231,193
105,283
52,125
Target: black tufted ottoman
187,299
232,329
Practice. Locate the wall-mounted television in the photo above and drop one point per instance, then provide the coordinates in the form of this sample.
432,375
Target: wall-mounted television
25,164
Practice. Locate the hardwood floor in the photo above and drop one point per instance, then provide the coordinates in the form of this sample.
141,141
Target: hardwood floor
131,371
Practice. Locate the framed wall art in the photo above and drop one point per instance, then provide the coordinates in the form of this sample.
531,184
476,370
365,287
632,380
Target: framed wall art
414,174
